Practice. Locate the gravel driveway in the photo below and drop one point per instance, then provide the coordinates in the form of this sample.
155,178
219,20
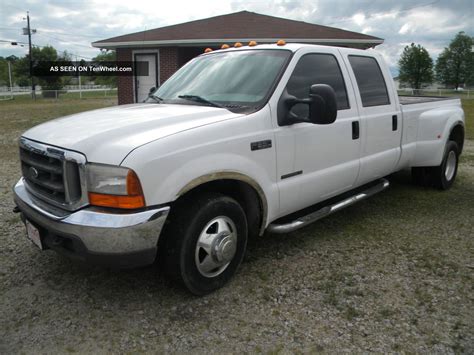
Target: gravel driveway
392,274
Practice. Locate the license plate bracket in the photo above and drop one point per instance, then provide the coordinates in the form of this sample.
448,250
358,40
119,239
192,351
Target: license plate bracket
33,234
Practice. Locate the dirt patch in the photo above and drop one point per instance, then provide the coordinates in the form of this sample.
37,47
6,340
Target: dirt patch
391,274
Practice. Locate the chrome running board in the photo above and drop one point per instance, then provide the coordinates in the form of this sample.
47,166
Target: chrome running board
303,221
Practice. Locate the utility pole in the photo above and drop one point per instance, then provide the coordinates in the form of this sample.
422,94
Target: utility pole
79,77
10,77
27,31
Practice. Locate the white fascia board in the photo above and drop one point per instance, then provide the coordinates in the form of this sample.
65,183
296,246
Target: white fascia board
184,42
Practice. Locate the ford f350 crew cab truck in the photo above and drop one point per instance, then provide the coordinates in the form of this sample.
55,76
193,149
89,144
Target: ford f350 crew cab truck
237,142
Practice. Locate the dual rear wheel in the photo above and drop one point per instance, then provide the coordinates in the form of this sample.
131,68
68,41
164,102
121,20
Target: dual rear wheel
442,176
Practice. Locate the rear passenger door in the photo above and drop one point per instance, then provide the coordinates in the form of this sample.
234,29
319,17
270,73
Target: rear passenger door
380,130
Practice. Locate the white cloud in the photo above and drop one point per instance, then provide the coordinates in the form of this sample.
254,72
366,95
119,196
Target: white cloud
432,20
367,30
359,19
405,28
73,25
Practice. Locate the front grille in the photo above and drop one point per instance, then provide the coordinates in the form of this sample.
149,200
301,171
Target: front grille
44,174
53,174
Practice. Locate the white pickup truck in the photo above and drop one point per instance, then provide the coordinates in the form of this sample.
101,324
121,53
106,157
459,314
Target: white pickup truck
237,142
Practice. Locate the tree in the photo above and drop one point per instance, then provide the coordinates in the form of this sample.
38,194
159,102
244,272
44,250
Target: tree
416,66
4,81
455,65
41,56
4,72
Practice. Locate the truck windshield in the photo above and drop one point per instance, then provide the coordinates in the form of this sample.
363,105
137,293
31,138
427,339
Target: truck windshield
233,80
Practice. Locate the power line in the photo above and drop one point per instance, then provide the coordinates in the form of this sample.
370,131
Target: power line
75,35
63,40
375,15
13,6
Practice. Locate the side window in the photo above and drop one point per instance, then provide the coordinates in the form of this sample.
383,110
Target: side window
372,87
317,69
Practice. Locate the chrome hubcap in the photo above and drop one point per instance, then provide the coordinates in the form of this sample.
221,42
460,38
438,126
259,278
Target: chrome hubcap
450,166
216,246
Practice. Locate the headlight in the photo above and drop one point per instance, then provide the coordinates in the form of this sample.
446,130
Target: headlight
114,186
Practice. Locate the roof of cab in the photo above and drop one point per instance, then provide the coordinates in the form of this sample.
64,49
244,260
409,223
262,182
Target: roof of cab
293,47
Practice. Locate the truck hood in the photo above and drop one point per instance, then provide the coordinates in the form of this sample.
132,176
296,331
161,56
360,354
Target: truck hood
108,135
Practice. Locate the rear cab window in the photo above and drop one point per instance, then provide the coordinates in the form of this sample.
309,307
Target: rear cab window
370,80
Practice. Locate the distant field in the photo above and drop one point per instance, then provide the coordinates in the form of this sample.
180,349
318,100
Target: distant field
468,106
21,113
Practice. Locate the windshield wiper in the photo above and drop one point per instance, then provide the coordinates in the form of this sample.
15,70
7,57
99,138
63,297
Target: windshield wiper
201,99
156,98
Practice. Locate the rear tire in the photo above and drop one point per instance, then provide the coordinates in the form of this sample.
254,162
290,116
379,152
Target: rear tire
421,176
205,242
442,176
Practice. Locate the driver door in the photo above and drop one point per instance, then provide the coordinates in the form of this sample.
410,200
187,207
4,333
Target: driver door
316,162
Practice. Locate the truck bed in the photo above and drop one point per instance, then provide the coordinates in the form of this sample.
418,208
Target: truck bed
409,100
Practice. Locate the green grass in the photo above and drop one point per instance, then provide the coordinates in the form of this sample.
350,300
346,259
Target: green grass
468,106
19,114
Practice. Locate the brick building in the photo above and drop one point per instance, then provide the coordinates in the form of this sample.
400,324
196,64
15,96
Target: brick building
166,49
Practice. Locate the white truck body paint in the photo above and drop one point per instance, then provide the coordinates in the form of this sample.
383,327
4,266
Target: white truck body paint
169,145
108,135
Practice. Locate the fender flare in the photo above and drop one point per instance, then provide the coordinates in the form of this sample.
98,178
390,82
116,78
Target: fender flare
230,175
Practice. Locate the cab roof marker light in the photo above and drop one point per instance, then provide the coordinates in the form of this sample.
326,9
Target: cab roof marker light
281,42
252,43
237,44
225,46
207,50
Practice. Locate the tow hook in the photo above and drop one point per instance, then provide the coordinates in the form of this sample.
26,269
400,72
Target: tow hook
16,209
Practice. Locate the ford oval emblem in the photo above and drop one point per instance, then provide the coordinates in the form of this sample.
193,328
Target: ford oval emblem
33,172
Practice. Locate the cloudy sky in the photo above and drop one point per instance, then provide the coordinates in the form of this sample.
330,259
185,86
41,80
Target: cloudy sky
73,25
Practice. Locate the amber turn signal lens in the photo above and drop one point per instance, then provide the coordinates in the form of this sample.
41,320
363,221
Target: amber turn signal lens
133,199
252,43
134,188
224,46
281,42
207,50
116,201
237,44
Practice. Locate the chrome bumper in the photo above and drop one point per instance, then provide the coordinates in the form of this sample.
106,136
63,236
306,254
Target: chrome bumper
99,232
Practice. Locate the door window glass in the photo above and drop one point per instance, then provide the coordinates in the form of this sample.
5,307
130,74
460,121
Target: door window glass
313,69
372,87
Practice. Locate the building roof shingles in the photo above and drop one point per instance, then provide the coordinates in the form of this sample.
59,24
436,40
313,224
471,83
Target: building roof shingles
243,24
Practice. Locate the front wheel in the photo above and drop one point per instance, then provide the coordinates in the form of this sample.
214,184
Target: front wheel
205,242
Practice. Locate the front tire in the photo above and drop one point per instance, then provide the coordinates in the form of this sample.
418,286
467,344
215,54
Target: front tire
205,242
